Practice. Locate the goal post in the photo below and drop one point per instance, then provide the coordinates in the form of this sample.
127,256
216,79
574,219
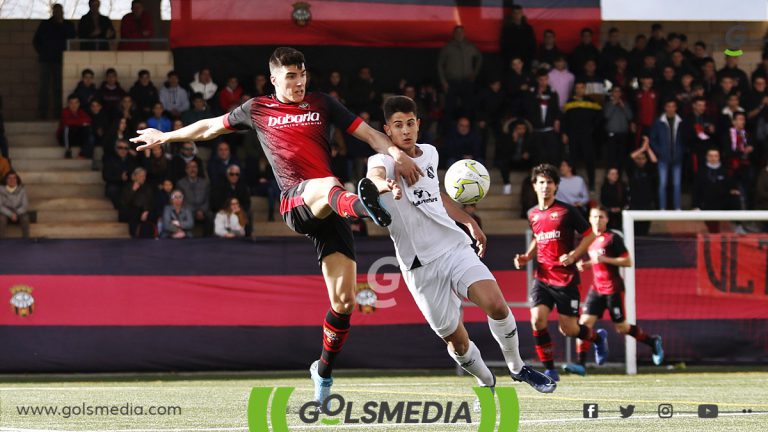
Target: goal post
629,219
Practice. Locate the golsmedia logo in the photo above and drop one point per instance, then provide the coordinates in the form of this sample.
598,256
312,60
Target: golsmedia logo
336,411
289,119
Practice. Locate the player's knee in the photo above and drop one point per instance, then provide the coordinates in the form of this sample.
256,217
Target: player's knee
459,345
344,304
571,330
498,309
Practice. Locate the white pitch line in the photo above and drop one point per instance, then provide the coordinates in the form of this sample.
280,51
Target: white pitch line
390,425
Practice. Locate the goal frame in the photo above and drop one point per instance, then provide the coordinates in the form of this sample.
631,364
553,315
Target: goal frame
629,219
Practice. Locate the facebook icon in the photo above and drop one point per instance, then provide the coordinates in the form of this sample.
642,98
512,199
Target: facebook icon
590,410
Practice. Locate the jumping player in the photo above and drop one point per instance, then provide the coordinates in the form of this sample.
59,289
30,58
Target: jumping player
436,258
606,254
294,130
554,224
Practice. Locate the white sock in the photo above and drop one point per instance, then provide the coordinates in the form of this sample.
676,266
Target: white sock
472,362
505,333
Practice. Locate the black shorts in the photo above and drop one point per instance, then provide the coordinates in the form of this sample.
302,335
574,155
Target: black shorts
566,298
597,303
330,235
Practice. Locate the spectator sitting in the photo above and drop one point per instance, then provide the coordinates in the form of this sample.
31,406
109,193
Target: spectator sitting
187,152
229,98
561,80
178,220
715,188
261,86
93,25
117,168
110,93
233,187
158,120
162,198
586,50
572,189
197,194
231,220
513,151
13,204
613,196
100,123
86,89
462,143
129,112
218,164
74,129
136,25
136,203
199,110
548,51
119,131
144,94
204,84
174,97
158,165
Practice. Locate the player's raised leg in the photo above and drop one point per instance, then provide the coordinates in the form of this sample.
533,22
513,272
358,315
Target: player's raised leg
325,195
487,295
652,341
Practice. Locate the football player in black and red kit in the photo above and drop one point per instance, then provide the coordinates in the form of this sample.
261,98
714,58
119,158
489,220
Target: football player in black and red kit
606,254
294,129
554,225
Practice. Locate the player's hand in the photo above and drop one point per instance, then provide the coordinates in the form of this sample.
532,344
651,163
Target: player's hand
406,168
479,236
521,260
580,266
394,187
150,137
567,259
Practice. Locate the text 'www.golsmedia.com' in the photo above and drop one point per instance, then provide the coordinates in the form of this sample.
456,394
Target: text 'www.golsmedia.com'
68,411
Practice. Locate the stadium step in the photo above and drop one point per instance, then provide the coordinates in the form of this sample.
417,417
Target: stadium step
57,177
59,190
25,165
48,152
31,127
88,216
73,230
80,204
30,140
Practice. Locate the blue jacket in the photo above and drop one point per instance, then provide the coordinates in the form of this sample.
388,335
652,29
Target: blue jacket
660,140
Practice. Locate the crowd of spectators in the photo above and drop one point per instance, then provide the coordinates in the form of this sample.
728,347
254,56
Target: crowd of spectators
662,121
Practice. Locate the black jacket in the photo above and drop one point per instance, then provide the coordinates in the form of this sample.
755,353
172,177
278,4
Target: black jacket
50,40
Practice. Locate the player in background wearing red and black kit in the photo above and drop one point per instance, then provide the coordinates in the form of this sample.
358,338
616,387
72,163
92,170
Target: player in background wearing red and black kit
554,225
294,130
606,254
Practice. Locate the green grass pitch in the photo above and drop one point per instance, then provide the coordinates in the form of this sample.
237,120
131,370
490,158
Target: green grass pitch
218,402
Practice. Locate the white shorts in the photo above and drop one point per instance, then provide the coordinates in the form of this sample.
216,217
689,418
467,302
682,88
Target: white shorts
440,287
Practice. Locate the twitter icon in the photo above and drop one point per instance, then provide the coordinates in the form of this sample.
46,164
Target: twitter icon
627,412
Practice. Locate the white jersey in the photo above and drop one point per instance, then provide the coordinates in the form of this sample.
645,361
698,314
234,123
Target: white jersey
421,228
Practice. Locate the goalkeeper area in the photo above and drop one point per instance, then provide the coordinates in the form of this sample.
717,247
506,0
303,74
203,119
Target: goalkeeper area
198,403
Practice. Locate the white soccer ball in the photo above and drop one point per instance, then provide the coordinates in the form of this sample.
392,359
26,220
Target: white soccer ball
467,181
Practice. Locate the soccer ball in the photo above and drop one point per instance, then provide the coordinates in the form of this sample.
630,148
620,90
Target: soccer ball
467,181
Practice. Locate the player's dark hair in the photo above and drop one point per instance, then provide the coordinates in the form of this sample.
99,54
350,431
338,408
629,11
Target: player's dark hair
396,104
286,56
545,170
601,208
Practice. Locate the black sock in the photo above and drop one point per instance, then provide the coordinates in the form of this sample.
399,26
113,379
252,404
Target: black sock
335,332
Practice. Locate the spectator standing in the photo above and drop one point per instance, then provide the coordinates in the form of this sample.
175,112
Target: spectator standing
50,41
489,108
517,38
13,204
642,183
517,85
136,25
613,196
700,133
637,54
646,106
668,144
462,143
548,51
612,50
586,50
581,118
174,98
542,111
731,69
561,80
618,122
229,97
513,151
739,153
93,25
715,189
458,66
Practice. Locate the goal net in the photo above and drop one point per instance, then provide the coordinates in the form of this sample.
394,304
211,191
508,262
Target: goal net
699,281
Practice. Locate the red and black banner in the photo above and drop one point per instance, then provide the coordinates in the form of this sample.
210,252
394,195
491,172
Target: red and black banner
115,305
368,23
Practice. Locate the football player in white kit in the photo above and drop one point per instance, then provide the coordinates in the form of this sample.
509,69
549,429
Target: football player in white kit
436,259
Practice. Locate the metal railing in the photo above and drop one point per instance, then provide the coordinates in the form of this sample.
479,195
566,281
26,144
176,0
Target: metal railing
155,44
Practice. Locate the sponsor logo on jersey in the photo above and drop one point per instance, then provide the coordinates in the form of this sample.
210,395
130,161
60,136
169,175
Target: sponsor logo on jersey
304,105
431,172
554,215
594,253
548,235
294,120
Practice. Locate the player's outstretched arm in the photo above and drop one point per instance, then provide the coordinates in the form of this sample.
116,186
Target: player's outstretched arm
522,259
404,166
459,215
581,249
623,261
379,177
201,130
